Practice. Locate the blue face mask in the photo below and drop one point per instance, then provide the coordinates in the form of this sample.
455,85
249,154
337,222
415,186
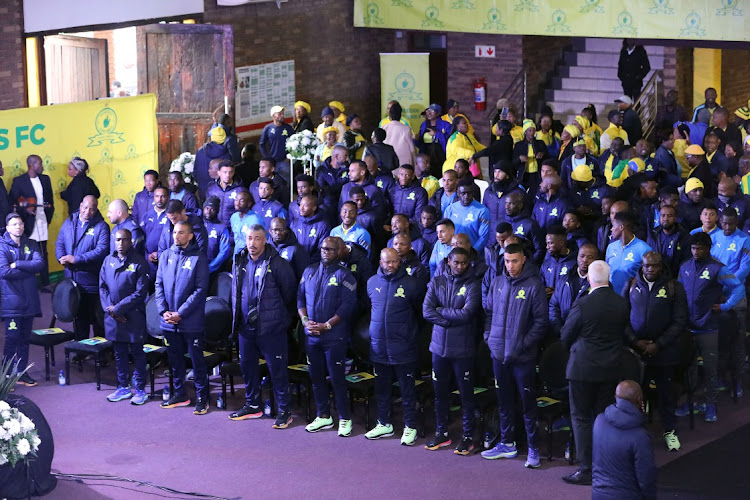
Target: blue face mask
724,199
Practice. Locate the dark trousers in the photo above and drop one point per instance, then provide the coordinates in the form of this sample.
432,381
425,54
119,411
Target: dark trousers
587,400
89,313
275,350
17,336
632,89
384,392
443,369
122,364
330,354
44,273
179,343
708,347
665,394
512,379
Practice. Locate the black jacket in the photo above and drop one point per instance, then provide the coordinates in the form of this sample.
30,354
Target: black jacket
22,187
80,186
595,334
385,156
633,68
304,124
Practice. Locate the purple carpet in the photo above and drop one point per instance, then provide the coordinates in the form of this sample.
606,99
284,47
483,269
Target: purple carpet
213,455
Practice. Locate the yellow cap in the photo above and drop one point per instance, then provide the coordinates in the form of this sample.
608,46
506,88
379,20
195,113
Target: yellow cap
694,149
572,130
582,173
527,124
218,135
330,129
303,104
579,142
337,105
693,183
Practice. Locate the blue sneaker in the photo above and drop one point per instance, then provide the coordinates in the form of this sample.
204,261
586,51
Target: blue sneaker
139,398
683,410
561,424
532,460
120,394
502,450
710,413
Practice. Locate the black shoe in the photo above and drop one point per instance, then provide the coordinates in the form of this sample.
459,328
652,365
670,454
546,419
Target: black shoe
176,401
582,476
465,446
440,440
246,412
26,380
201,406
283,420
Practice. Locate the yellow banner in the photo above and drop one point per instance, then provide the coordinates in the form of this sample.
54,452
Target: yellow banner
406,78
670,19
117,137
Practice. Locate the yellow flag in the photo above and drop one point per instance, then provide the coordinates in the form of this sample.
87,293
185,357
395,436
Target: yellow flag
406,78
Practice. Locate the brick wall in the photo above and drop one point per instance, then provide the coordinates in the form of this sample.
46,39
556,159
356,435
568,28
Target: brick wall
333,60
541,55
12,72
684,76
735,79
464,68
670,68
108,35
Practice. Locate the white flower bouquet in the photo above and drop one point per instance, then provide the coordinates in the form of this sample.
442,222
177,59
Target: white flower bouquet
185,164
19,440
301,146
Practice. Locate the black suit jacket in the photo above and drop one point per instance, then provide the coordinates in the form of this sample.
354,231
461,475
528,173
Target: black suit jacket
594,331
22,187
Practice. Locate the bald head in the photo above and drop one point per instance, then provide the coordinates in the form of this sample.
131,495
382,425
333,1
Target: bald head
117,211
88,207
389,261
630,390
461,240
727,187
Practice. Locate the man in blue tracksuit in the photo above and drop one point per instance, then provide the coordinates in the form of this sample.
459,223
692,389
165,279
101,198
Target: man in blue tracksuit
670,240
625,252
445,231
263,299
326,304
400,225
559,260
469,216
286,244
396,299
152,223
181,289
81,246
242,220
410,260
497,193
516,322
452,305
178,191
550,206
310,227
219,241
705,279
730,196
477,267
117,213
144,199
349,230
225,189
20,260
267,168
523,225
407,196
266,206
123,287
176,212
360,177
332,175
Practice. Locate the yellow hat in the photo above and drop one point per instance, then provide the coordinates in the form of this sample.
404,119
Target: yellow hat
527,124
330,129
218,135
694,149
693,183
583,121
579,142
637,164
337,105
572,130
582,173
303,104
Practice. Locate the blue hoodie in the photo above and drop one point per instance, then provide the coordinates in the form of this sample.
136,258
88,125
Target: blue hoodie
473,221
88,242
624,262
549,212
269,210
18,292
219,244
291,251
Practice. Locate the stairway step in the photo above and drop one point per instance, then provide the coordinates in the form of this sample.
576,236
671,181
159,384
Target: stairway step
613,45
581,96
604,59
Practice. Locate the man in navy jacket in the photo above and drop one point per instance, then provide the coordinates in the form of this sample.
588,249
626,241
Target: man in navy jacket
286,244
176,212
81,246
517,319
263,299
153,223
326,304
396,298
225,189
123,286
310,227
117,213
144,199
181,289
623,455
453,304
20,260
407,196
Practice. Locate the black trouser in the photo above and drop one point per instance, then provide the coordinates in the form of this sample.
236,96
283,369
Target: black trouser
587,400
44,273
665,396
89,313
632,89
275,350
384,392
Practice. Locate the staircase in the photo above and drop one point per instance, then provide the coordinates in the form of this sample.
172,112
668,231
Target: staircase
589,75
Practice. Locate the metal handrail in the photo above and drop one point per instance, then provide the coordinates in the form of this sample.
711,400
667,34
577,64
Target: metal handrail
515,93
648,102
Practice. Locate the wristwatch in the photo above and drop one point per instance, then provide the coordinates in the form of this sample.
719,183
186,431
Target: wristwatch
328,325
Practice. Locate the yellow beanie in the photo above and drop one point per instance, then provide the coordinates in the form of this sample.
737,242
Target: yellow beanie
582,173
304,105
572,130
693,183
337,105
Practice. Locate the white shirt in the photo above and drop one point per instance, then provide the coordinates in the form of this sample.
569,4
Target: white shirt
40,223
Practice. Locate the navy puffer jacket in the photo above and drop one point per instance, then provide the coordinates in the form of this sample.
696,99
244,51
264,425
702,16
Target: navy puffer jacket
124,285
18,292
453,304
182,286
396,300
199,230
327,291
88,242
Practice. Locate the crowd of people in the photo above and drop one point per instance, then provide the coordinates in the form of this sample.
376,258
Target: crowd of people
594,238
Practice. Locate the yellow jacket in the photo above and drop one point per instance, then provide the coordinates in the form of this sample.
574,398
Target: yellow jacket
516,133
448,118
430,184
460,146
680,145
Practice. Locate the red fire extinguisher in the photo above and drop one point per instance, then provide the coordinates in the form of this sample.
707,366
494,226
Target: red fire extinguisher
480,94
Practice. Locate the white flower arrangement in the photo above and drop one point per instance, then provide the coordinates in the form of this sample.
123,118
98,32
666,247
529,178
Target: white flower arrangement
185,164
19,440
301,146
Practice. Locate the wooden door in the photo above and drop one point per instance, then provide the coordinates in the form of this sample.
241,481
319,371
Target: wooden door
190,68
75,68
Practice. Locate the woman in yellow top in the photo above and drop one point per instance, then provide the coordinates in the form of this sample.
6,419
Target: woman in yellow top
594,131
681,142
326,147
460,145
528,156
584,124
516,132
569,135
